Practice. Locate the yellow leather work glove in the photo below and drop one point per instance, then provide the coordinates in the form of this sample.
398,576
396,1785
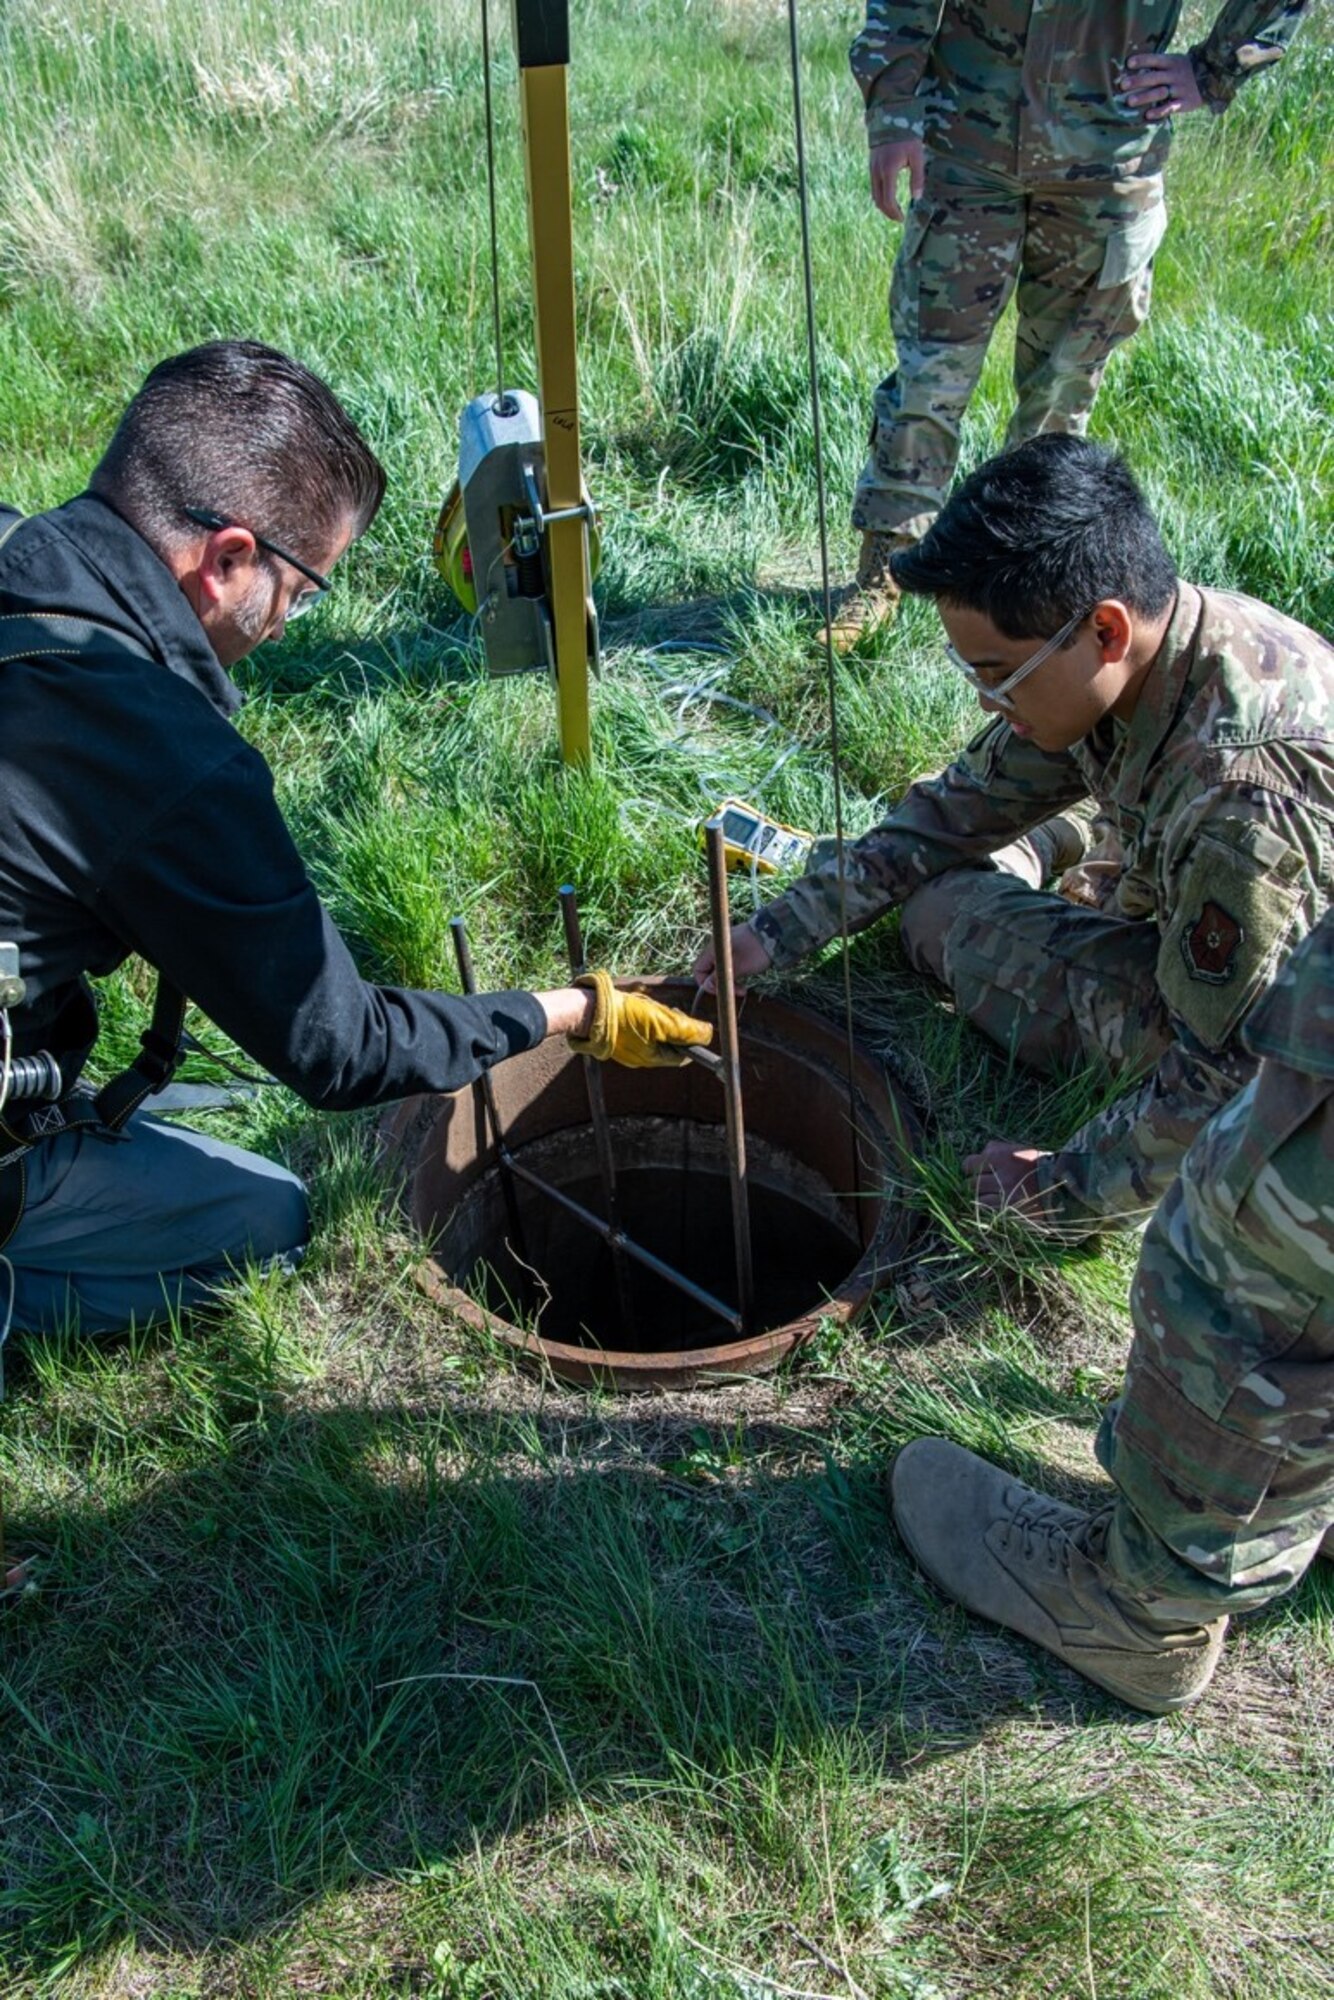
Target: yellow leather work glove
631,1028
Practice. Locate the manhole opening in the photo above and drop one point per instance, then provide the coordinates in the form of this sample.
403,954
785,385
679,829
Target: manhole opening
672,1186
823,1151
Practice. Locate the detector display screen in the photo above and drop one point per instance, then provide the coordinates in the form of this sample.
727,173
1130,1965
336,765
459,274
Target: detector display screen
741,828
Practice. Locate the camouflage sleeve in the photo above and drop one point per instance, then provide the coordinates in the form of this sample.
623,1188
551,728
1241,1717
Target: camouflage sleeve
1249,35
1242,870
1295,1021
999,788
889,59
1116,1169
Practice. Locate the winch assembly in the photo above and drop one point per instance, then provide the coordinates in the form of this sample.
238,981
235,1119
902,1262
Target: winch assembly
516,540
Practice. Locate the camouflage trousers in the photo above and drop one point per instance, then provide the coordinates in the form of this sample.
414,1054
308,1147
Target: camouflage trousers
1221,1443
1056,985
1078,259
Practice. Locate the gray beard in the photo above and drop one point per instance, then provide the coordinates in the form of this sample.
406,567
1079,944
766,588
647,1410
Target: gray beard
252,615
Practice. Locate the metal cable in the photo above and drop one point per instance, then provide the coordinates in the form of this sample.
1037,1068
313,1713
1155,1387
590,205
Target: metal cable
803,199
503,406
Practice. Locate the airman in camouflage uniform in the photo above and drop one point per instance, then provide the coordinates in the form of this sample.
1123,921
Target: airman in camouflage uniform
1043,177
1220,788
1221,1444
1222,792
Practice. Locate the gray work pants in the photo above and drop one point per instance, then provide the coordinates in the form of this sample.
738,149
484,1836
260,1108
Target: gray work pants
126,1227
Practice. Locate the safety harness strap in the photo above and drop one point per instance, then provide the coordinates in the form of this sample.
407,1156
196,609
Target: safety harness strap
161,1053
160,1056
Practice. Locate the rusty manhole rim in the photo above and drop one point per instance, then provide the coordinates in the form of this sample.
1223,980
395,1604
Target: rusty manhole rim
648,1370
758,1354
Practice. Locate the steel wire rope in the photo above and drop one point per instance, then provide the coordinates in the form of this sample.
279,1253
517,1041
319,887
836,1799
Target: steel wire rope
817,439
503,406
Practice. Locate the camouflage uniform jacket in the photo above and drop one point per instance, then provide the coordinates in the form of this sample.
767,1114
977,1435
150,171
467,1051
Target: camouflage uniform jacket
1031,90
1289,1217
1245,1155
1223,1438
1221,790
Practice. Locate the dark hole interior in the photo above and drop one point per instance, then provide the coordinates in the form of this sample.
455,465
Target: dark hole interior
674,1195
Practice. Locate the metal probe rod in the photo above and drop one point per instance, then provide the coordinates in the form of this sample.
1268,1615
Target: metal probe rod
597,1113
458,930
730,1049
512,1169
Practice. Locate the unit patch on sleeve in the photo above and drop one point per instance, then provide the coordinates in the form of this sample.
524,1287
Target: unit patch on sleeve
1209,946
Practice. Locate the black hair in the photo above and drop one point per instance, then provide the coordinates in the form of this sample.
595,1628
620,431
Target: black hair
1038,536
248,433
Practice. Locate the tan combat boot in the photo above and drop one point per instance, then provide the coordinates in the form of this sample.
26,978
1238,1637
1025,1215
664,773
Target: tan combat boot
1044,851
1011,1555
1091,880
872,599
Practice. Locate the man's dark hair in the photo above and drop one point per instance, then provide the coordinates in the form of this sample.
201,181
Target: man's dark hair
1040,535
248,433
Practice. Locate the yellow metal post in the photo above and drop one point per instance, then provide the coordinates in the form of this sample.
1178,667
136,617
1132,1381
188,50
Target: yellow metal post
541,38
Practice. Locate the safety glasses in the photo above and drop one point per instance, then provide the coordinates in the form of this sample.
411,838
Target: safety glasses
999,695
204,517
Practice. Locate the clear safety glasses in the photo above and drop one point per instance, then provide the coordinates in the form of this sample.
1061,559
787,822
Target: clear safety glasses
999,695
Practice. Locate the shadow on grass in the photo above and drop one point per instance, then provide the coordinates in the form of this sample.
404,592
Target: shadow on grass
443,647
356,1642
713,620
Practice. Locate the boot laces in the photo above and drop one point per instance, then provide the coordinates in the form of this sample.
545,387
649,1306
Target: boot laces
1092,1540
1041,1527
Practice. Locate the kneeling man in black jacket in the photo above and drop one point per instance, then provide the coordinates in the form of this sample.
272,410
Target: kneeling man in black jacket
134,818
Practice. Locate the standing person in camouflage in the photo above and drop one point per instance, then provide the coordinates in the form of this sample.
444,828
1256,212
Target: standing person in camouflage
1033,137
1202,725
1221,1444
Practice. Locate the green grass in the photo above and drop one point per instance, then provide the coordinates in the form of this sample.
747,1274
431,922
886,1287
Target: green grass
361,1664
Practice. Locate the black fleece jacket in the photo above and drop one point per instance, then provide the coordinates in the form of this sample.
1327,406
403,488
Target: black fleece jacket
134,818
